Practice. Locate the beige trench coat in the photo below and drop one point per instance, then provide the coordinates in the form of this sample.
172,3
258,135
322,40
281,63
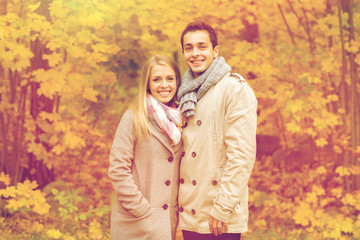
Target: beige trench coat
220,148
144,174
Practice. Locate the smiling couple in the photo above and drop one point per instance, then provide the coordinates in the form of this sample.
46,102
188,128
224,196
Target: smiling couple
184,152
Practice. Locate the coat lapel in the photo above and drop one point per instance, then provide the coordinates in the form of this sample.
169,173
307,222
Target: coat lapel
161,137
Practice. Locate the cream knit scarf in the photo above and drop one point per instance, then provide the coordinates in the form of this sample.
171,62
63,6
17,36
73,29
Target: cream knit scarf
192,89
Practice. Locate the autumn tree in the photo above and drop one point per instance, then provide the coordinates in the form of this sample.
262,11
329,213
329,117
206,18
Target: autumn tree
47,63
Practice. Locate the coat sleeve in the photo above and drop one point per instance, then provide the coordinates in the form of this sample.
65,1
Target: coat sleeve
121,157
240,141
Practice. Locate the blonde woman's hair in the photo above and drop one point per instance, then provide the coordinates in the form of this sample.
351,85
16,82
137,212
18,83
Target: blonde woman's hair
141,120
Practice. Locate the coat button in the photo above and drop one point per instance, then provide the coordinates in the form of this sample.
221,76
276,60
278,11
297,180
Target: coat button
182,181
165,206
214,182
193,212
181,209
193,182
170,159
198,122
167,182
193,154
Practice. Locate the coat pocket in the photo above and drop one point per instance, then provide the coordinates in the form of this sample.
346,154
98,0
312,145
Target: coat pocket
217,135
154,225
158,225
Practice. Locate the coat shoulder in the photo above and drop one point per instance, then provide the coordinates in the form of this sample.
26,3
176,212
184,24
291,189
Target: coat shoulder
237,76
235,85
232,82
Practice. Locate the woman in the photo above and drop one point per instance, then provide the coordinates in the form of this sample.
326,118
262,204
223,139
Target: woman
145,155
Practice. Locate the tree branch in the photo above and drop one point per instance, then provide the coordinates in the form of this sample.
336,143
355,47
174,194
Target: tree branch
286,24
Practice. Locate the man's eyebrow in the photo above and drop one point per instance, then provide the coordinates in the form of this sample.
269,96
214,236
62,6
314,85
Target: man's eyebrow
200,43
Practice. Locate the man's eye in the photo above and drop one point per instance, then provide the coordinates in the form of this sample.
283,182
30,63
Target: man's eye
188,49
171,78
202,47
155,80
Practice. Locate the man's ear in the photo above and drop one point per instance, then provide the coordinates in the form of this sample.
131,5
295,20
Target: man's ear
216,51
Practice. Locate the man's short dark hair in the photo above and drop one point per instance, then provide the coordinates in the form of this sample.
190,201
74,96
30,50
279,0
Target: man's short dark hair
198,26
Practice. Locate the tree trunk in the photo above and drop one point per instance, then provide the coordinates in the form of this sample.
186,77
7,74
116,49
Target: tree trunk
42,175
352,182
355,123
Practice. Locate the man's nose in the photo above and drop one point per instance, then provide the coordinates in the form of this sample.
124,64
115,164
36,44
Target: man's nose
195,51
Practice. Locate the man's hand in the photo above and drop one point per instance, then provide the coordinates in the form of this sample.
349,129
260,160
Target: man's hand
217,227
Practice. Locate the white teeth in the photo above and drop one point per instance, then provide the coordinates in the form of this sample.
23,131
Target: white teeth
164,94
195,62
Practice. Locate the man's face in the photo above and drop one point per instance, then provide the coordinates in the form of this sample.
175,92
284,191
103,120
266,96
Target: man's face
198,51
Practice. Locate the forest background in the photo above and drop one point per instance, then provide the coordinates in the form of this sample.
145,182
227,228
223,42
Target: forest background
69,68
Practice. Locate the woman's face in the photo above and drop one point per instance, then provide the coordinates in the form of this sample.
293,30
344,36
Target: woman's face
162,83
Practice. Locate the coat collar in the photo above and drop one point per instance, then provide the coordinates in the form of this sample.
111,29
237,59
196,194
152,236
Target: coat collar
157,133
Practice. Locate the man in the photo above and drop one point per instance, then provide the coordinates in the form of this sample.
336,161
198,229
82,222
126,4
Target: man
219,141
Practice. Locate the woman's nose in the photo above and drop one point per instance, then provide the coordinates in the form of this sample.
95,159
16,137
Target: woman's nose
164,83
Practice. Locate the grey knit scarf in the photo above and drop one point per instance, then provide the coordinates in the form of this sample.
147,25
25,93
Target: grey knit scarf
192,89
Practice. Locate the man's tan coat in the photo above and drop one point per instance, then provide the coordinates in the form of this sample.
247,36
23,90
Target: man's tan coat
220,148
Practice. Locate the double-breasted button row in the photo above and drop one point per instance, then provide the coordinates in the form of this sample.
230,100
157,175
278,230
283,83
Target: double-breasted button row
193,154
181,209
165,206
182,181
170,159
198,122
167,183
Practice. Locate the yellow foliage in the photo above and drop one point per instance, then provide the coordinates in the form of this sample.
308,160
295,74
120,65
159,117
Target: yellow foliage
321,142
337,192
54,59
352,46
36,227
90,94
54,233
35,6
5,178
72,141
25,195
321,170
69,237
350,199
95,231
303,213
293,127
343,171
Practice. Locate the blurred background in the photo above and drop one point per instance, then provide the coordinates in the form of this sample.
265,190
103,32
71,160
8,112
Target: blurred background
69,69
